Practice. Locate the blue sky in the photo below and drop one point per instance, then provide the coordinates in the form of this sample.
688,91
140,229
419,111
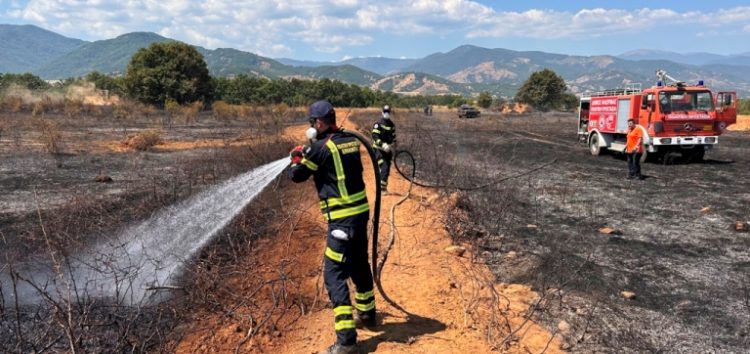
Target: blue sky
332,30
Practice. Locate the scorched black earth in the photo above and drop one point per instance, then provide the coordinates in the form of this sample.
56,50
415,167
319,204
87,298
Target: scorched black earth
671,276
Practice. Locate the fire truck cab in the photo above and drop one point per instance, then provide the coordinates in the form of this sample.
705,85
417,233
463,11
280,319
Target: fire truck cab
680,118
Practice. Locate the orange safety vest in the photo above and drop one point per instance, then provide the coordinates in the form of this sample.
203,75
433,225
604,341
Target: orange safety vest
633,137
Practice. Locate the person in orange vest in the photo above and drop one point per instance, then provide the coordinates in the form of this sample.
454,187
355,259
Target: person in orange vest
634,150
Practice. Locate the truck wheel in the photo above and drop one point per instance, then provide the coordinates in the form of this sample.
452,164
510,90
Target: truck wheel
696,154
594,147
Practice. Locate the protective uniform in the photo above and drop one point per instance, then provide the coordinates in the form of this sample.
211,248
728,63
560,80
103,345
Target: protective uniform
634,151
384,136
334,162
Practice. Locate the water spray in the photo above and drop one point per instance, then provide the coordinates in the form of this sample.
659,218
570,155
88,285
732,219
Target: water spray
149,255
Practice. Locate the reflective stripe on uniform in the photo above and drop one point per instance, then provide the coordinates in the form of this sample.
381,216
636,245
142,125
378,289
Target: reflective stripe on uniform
343,317
375,131
331,202
365,301
365,295
345,324
342,213
386,128
340,176
365,307
380,162
309,164
333,255
342,310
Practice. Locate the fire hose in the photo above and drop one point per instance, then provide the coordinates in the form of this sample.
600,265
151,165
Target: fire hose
375,219
377,268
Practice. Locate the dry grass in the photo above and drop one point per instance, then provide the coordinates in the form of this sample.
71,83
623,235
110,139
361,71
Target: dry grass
143,140
12,104
51,136
743,123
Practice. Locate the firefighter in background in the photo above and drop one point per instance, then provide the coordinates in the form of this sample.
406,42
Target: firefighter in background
333,160
384,137
634,149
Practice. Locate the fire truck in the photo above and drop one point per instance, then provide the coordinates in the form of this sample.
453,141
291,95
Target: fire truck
675,118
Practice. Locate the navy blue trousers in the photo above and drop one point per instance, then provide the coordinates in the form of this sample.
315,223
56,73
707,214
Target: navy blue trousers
346,257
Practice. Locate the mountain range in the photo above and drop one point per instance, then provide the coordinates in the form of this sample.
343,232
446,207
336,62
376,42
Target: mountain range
465,70
688,58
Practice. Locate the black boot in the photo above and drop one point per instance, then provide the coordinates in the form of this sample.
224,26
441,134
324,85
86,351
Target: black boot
341,349
366,320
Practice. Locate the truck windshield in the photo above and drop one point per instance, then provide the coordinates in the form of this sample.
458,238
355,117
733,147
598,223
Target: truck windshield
686,101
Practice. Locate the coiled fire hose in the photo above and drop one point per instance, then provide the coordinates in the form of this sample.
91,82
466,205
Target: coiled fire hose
377,268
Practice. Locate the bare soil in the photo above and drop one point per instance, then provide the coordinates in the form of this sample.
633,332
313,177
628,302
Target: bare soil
674,247
454,303
517,191
743,124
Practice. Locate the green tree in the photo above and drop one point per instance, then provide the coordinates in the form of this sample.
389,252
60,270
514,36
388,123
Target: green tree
29,81
743,106
104,82
544,90
484,100
170,70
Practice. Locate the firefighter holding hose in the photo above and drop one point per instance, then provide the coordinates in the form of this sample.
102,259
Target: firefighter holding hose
384,137
333,160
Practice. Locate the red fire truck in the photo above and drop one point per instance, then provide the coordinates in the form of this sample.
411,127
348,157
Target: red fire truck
675,117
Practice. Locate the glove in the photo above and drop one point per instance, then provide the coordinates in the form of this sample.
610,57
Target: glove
296,154
385,147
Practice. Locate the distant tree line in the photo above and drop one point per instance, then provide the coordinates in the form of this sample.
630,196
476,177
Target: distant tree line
743,106
176,72
27,81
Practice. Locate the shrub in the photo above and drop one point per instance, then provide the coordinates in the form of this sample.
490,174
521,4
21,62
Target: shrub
73,107
143,140
51,136
171,106
12,103
224,111
38,109
190,112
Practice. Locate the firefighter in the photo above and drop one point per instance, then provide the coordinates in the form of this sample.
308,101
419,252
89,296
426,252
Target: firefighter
384,137
333,160
634,149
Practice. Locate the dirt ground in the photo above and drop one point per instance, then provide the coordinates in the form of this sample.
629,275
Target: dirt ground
526,201
456,307
449,299
743,124
674,246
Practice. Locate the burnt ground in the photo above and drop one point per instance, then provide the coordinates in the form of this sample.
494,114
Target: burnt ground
51,207
529,196
675,246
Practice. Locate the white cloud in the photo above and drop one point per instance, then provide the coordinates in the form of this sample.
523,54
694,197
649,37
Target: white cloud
330,26
600,22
